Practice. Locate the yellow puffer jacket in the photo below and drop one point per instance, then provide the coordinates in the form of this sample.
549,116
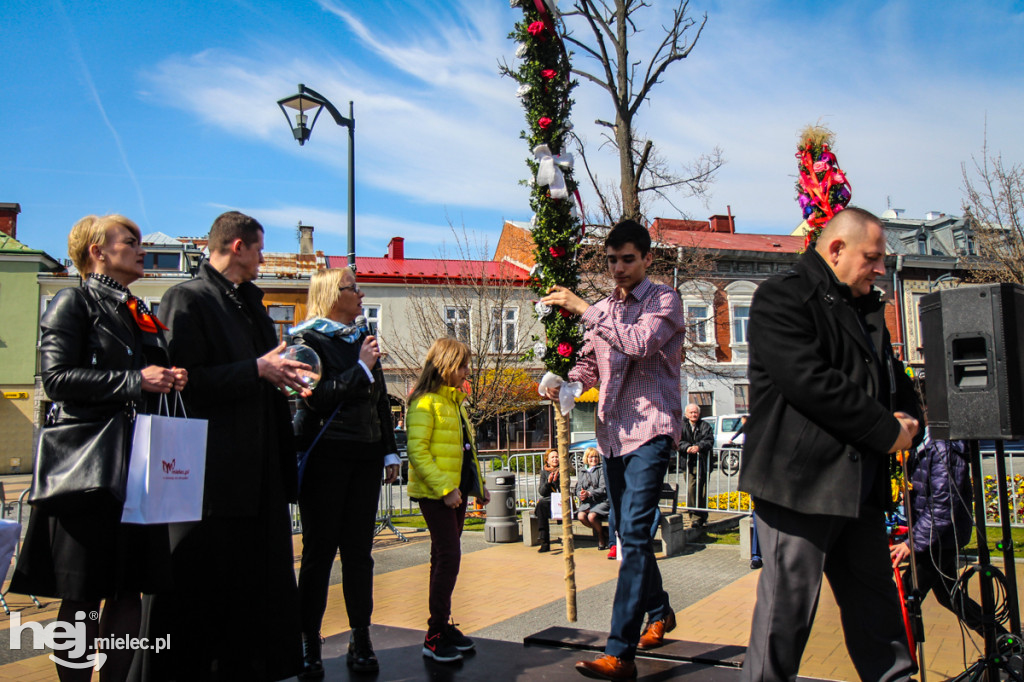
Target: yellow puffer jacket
435,443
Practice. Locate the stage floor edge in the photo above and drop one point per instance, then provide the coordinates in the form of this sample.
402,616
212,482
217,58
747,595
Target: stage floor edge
540,657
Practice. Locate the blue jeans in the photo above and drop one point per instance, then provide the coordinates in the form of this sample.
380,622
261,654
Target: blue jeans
634,488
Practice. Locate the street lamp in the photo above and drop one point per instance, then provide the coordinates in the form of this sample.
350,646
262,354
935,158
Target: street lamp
309,100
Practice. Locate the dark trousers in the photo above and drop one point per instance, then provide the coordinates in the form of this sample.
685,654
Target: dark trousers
634,487
338,502
698,467
854,554
939,573
543,513
445,526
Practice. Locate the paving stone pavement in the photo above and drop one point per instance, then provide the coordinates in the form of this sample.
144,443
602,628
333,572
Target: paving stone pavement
688,578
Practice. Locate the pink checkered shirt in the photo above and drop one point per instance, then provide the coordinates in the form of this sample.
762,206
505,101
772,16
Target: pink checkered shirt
633,348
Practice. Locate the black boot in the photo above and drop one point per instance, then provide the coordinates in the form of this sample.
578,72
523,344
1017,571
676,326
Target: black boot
312,665
360,652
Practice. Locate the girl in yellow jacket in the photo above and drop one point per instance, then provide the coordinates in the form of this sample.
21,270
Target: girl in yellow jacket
443,474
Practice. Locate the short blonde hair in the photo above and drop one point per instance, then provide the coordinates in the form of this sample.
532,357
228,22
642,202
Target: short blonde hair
445,357
588,452
323,291
93,230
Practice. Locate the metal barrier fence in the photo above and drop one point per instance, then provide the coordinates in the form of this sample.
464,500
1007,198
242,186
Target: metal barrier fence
720,468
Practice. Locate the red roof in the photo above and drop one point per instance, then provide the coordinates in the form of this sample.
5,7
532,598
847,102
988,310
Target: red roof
725,241
431,270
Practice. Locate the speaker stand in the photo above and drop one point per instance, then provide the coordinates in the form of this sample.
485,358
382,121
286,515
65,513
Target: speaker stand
997,658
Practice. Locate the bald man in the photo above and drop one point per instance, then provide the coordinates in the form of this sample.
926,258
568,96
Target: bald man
830,403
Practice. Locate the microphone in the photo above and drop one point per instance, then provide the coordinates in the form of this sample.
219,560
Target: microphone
361,324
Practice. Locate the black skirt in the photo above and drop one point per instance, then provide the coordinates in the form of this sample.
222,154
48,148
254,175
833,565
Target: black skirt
88,556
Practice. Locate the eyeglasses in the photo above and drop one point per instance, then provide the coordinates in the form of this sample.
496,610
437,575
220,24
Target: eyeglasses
354,287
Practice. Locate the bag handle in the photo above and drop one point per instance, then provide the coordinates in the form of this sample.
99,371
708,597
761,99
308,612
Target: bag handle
164,408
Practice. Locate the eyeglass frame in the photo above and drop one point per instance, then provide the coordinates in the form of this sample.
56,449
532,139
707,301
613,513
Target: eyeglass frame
354,287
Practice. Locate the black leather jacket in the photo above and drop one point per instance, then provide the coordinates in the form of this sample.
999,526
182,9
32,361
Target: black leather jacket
92,353
365,414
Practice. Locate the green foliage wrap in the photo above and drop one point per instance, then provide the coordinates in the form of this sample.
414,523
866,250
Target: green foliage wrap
545,89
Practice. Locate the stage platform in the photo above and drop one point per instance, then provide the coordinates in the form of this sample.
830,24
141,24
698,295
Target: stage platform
547,655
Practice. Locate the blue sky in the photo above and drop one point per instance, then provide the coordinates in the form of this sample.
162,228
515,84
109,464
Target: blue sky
166,112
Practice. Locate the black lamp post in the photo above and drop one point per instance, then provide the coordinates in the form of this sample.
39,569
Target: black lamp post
308,100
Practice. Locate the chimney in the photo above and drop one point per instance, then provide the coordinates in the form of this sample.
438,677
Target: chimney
396,248
934,215
9,219
723,223
305,239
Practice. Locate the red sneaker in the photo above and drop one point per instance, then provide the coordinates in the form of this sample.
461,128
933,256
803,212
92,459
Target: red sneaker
613,553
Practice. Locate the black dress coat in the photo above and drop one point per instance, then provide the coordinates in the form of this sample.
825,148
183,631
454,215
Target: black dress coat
218,337
236,565
91,356
823,388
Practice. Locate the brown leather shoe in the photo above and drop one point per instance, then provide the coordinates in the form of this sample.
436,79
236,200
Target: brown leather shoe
654,634
608,668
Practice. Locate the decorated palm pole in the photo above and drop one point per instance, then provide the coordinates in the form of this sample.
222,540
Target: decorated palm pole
821,187
545,86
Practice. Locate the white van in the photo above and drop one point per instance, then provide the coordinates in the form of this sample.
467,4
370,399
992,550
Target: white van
725,427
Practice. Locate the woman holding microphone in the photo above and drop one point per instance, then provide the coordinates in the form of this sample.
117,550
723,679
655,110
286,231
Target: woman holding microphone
339,483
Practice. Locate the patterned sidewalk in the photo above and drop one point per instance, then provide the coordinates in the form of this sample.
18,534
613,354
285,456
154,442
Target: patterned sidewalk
499,583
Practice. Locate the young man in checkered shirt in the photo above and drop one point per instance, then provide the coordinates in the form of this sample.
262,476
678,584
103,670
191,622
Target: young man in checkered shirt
633,350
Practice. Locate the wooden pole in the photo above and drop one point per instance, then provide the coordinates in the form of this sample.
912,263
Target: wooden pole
564,473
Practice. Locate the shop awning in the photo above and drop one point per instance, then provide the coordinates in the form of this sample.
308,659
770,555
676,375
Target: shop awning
589,396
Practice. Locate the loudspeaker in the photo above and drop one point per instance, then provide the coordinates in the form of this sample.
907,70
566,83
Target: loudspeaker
974,361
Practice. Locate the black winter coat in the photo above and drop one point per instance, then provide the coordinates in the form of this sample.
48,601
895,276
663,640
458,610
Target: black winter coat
703,437
365,413
821,398
218,337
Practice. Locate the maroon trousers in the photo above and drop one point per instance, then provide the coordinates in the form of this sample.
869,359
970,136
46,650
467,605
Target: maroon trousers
445,526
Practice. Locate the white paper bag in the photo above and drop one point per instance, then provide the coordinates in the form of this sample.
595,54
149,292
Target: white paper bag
167,469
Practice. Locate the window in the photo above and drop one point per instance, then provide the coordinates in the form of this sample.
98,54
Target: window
283,317
740,293
703,400
740,322
922,243
372,315
741,392
162,261
154,306
456,320
697,323
504,332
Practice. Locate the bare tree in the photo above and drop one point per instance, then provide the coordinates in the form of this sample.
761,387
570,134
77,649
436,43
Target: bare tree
994,208
609,28
484,304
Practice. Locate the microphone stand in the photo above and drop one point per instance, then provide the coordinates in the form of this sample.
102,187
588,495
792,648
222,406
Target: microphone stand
913,600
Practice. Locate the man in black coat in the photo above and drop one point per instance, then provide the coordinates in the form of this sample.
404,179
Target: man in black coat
695,444
829,402
235,567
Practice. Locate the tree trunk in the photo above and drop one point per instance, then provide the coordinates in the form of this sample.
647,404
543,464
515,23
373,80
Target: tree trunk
623,120
564,472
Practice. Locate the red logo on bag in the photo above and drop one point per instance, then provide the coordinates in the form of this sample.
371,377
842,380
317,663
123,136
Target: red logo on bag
169,469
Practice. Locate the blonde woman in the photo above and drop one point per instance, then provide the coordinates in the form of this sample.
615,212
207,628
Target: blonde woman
593,495
340,480
101,352
443,473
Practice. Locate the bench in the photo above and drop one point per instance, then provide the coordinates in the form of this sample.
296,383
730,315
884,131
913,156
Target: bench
670,525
